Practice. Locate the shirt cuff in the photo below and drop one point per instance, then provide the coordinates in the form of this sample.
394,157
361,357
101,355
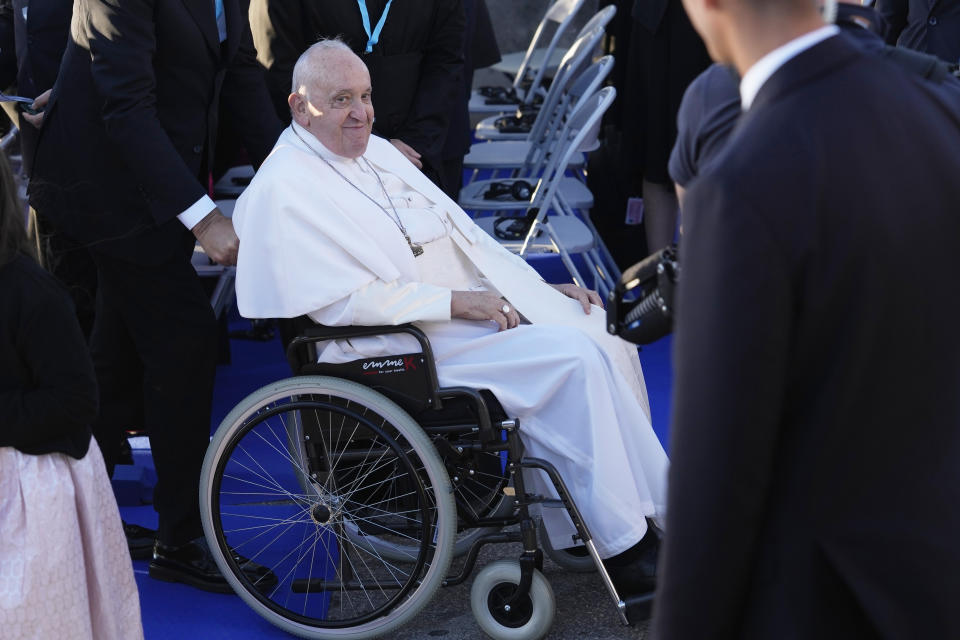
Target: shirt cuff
197,212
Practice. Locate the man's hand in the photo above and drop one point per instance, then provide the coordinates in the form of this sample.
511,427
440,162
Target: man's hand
216,235
585,297
408,151
39,103
482,305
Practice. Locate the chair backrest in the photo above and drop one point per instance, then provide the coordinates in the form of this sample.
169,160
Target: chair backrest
571,66
587,83
543,134
561,12
600,19
579,133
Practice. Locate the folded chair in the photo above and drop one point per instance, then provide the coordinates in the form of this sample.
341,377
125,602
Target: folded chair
499,194
534,62
516,126
519,156
547,223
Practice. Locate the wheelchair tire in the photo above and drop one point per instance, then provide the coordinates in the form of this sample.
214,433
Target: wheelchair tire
574,559
530,619
281,490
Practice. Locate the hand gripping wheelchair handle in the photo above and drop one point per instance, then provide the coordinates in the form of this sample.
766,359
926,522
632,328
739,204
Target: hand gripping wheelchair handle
640,308
318,333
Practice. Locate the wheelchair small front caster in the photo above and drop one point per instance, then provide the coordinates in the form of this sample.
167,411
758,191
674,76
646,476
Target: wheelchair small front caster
574,559
528,619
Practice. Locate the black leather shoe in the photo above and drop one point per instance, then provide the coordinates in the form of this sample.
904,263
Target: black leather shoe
634,573
193,564
139,540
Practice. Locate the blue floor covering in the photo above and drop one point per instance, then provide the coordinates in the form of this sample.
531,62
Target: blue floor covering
173,611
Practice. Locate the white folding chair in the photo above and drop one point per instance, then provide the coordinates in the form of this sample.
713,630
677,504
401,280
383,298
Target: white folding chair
518,125
536,61
482,195
589,81
518,156
551,225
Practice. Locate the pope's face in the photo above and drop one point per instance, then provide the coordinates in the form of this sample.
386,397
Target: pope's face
339,110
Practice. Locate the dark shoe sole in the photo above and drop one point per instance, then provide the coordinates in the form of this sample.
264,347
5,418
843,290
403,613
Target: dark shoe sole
167,574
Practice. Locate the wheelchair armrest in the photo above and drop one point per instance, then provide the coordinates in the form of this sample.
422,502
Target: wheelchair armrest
319,333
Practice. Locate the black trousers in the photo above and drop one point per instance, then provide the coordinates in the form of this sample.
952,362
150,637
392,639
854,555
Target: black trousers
154,349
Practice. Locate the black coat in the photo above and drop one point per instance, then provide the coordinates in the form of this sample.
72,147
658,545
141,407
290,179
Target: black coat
126,141
33,36
48,395
414,69
815,447
931,26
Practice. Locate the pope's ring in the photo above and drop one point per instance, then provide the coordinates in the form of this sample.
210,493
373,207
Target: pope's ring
505,308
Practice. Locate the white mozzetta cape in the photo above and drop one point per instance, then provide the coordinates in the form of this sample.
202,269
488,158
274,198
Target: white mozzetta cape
308,239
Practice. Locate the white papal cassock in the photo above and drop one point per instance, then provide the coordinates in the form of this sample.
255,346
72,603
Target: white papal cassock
312,244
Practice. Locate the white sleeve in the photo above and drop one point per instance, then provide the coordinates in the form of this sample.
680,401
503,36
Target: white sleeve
387,303
197,212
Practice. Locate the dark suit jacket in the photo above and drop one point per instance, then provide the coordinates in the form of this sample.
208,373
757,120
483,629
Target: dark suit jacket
33,36
931,26
127,138
415,68
815,446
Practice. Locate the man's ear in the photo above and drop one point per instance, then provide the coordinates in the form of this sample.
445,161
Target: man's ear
298,108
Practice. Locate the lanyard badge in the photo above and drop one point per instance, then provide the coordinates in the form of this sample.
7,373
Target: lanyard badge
374,37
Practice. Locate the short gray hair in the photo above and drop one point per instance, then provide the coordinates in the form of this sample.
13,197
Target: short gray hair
309,70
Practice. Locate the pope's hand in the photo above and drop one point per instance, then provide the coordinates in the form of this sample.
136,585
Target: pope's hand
216,235
585,297
482,305
408,151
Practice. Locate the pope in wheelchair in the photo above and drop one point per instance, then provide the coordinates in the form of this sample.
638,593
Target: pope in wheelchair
341,227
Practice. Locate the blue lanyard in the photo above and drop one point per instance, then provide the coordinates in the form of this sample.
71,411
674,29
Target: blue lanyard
372,38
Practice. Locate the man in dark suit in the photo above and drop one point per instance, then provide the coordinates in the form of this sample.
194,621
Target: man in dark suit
815,448
931,26
33,36
415,60
122,166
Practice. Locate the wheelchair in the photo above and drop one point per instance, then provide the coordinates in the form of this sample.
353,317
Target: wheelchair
355,484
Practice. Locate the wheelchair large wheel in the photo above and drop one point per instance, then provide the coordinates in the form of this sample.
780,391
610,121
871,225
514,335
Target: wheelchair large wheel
296,467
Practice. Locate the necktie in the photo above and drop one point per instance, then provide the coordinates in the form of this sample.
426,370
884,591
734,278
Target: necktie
221,22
